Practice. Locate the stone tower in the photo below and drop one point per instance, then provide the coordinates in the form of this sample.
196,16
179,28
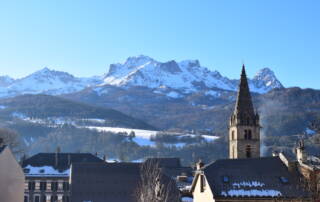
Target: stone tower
244,127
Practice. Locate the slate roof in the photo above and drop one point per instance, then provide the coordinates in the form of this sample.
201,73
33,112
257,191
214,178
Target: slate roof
64,160
100,182
259,177
165,162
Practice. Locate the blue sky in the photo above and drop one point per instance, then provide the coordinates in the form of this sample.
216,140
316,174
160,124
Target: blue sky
84,37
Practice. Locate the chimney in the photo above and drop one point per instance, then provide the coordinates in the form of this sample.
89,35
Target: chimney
23,158
300,152
104,158
56,163
69,159
199,165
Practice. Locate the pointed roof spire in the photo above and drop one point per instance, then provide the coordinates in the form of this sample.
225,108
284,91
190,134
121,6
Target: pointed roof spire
243,72
244,107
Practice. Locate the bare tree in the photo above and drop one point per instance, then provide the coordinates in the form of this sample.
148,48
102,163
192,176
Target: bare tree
155,186
12,139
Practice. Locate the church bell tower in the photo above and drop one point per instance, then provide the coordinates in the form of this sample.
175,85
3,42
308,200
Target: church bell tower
244,126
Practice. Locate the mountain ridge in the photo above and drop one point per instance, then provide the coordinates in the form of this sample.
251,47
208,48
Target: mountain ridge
186,76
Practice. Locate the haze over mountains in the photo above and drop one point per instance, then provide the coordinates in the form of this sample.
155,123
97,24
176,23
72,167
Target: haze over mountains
174,79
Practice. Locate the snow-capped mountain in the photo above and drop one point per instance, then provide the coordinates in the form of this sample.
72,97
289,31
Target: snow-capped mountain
171,78
186,76
264,81
48,82
5,81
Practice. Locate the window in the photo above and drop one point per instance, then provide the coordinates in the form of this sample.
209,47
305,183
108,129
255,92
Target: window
248,151
65,199
225,179
31,186
247,134
232,135
43,186
43,198
26,170
284,180
36,198
54,186
54,199
26,199
66,186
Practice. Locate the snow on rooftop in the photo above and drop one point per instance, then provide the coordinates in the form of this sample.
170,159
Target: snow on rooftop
248,184
251,193
45,171
310,131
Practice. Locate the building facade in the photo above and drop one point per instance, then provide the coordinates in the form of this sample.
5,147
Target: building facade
244,126
48,175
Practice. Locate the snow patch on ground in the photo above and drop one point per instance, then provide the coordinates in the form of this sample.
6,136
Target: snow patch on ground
213,93
143,137
173,94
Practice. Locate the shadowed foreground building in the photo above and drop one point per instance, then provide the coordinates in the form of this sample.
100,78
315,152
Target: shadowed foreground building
118,182
11,176
100,182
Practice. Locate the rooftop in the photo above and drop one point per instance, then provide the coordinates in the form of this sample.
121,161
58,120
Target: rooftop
256,177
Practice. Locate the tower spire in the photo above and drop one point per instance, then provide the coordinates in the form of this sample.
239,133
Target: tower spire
244,107
244,126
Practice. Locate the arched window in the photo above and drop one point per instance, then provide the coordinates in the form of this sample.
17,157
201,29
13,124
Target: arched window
249,134
232,135
248,151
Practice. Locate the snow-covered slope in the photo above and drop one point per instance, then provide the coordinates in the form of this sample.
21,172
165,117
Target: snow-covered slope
49,82
186,76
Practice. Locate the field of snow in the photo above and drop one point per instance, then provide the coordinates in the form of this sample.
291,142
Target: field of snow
142,137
